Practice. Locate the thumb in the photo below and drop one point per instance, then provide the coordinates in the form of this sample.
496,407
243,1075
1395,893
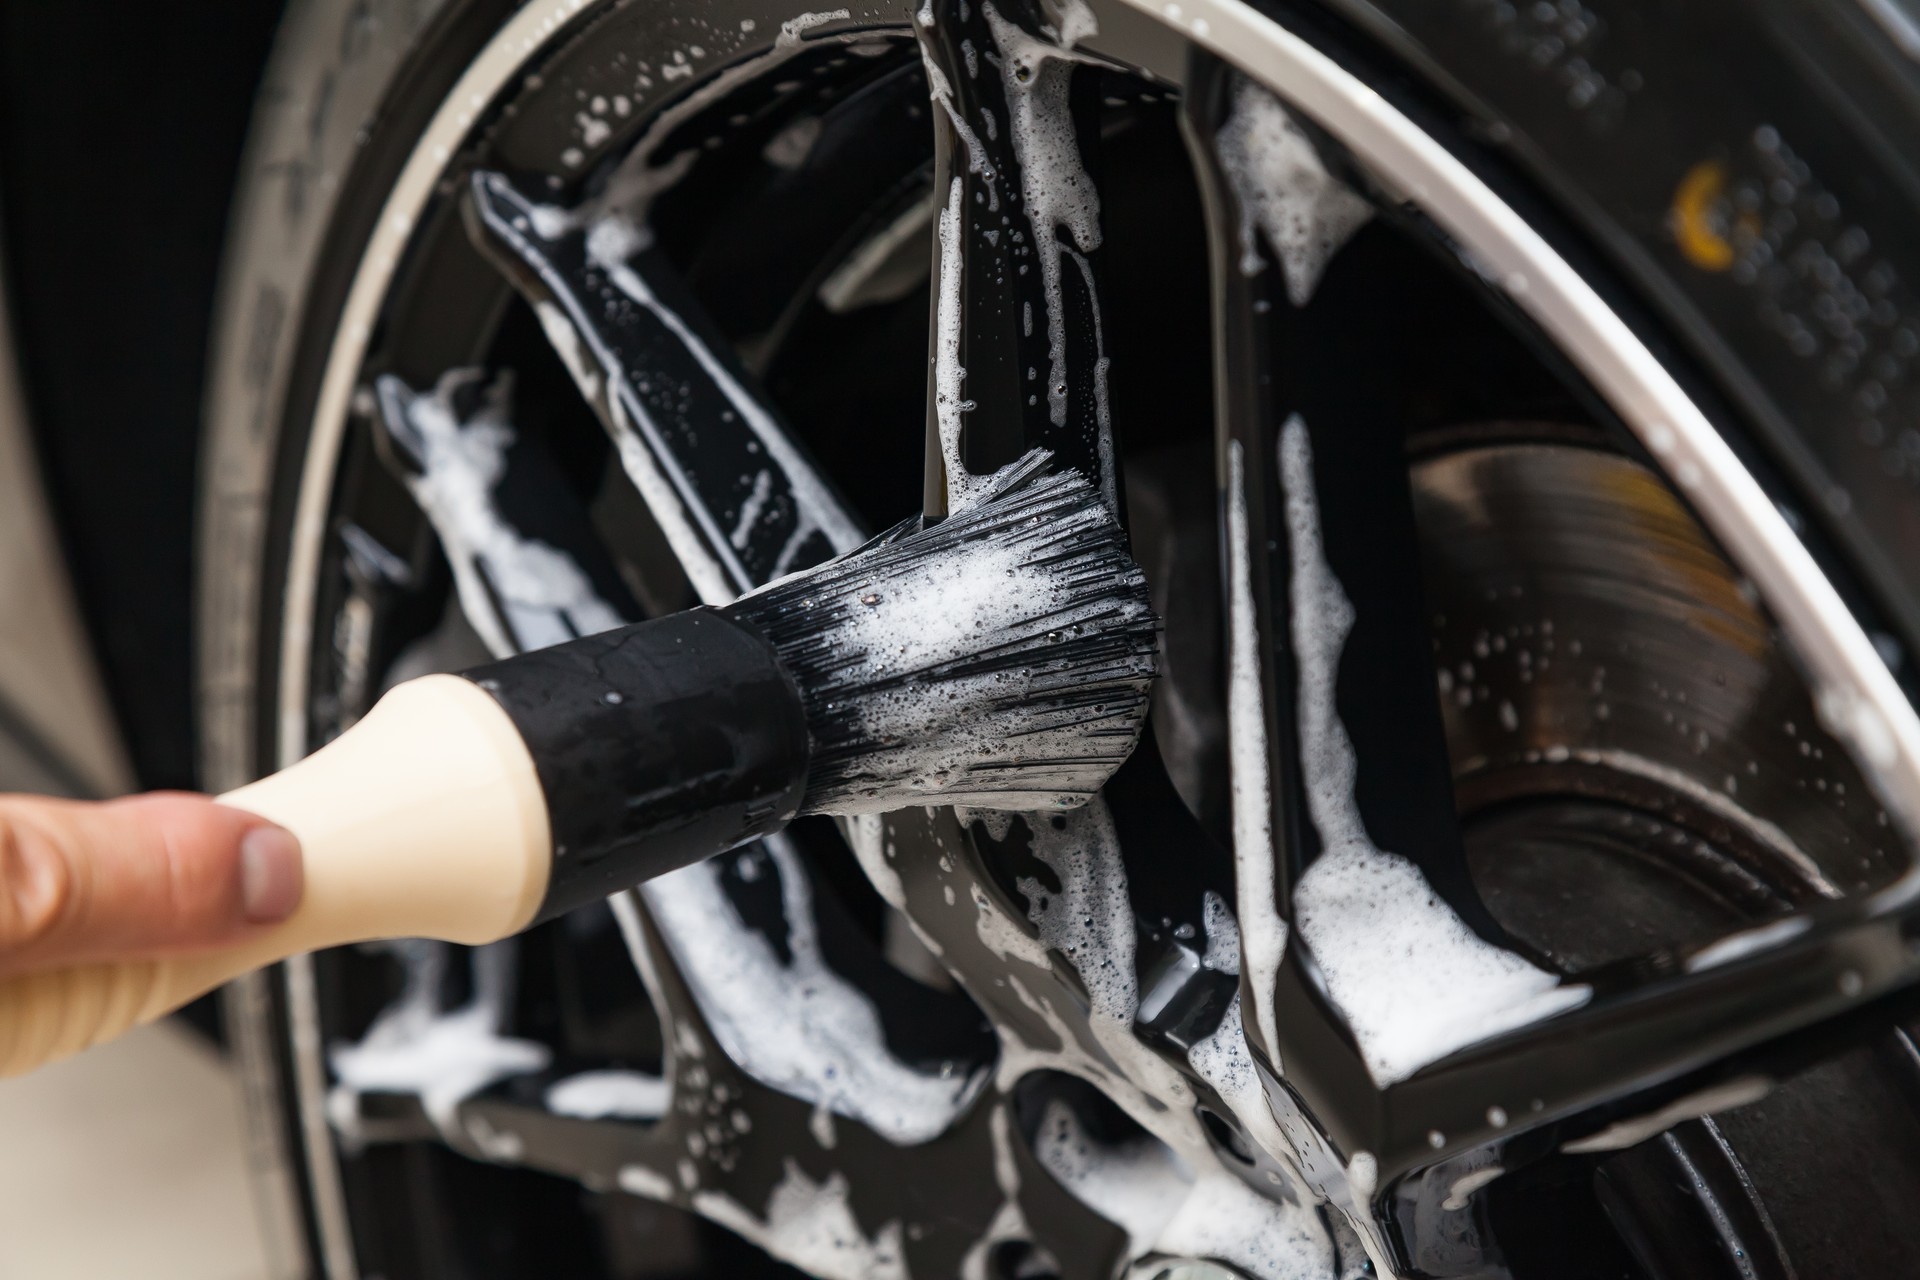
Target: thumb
136,877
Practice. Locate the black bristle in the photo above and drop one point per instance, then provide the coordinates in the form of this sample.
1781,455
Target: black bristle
1033,705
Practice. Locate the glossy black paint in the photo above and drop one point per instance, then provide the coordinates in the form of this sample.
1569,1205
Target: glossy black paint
666,378
657,745
1018,397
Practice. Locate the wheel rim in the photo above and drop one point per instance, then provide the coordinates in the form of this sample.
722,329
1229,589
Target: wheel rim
1639,390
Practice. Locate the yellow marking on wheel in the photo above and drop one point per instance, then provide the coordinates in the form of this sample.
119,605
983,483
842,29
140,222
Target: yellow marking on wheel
1695,228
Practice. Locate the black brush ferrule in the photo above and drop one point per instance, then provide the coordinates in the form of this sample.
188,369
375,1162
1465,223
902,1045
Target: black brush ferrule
657,745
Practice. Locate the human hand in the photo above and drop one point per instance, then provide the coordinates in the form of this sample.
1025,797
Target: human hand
136,878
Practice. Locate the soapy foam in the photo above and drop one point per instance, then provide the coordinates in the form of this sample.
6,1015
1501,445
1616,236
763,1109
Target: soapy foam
1009,1221
1224,1218
1412,980
1126,1182
797,1027
1223,934
600,1095
941,92
949,377
1089,923
543,596
1000,657
1165,1208
1056,190
811,1225
1284,189
441,1057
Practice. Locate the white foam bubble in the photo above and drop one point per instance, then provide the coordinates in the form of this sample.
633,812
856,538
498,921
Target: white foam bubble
1223,934
1126,1183
811,1225
949,376
1284,189
1057,193
600,1095
543,597
441,1057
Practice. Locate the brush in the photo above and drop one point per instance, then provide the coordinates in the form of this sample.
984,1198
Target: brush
998,659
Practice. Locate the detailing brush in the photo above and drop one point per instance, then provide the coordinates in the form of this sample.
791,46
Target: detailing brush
998,659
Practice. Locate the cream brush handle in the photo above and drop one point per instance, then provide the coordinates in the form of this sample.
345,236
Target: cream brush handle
425,820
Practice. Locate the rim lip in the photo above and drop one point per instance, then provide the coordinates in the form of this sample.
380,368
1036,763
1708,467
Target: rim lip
526,35
1858,698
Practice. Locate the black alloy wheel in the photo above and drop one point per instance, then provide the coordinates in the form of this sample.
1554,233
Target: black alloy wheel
1515,879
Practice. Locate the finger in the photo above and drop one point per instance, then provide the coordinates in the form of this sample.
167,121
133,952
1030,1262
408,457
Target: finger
136,877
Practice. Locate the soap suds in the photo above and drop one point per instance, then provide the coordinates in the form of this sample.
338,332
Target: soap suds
1283,188
1058,196
866,835
796,1027
1263,933
543,597
1412,980
638,1180
1223,935
1102,408
1076,22
600,1095
1224,1218
1126,1183
441,1057
1141,1186
1008,1222
949,377
941,90
1089,923
811,1225
1055,187
907,698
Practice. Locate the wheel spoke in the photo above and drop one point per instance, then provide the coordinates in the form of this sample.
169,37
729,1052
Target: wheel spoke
736,495
1309,327
1019,359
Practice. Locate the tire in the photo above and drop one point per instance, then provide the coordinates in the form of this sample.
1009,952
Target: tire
1566,112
